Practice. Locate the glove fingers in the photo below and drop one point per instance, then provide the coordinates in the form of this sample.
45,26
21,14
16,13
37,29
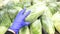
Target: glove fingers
26,14
27,23
22,11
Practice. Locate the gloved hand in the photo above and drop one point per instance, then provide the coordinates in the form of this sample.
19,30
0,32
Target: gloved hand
19,21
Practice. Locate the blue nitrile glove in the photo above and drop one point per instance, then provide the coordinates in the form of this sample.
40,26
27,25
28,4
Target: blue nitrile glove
19,21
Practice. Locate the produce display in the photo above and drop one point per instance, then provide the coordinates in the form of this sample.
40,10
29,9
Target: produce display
44,14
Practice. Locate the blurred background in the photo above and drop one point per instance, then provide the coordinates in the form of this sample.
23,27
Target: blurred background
47,11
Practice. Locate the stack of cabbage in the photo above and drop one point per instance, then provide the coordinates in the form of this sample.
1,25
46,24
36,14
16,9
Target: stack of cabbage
44,14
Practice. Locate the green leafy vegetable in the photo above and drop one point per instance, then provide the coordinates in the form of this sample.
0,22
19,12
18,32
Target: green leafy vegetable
36,27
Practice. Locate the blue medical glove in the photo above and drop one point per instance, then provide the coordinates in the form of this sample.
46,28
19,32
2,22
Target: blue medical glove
19,21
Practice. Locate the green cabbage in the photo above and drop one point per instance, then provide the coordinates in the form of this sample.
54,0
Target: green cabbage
47,23
56,21
36,11
36,27
24,30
